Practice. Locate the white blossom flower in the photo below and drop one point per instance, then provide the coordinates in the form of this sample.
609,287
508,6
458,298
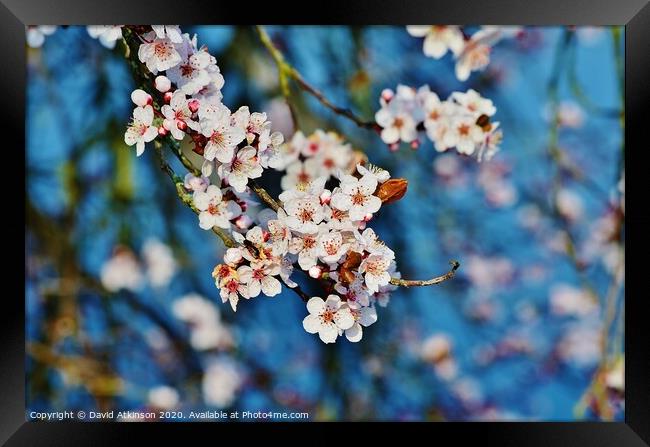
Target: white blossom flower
363,317
171,32
158,54
465,135
375,270
338,219
331,247
490,144
122,271
259,277
245,165
304,213
381,175
160,263
474,103
354,293
108,35
475,56
568,300
396,125
163,397
196,184
300,174
356,196
36,34
438,39
215,212
370,242
280,234
286,269
191,75
211,93
141,129
268,145
327,318
207,331
305,245
223,138
221,382
178,115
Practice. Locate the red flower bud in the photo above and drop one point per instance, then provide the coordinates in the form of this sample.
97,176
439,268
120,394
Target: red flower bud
392,190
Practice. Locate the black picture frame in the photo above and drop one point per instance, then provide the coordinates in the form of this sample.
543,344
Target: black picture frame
633,14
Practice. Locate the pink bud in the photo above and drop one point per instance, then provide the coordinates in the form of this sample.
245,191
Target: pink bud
182,125
415,144
193,105
325,197
393,147
243,222
315,271
163,84
387,94
141,98
162,131
168,97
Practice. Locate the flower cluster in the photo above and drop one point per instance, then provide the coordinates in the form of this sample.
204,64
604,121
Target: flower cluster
324,232
321,154
472,53
462,121
328,195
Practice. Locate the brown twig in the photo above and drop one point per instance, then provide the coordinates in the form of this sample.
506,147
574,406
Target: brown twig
286,71
427,282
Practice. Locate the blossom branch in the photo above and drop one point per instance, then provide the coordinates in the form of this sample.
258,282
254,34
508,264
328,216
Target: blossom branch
187,198
427,282
287,71
227,240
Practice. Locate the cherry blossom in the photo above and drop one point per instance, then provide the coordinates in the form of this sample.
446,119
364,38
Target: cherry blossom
259,277
36,34
195,184
356,196
108,35
462,121
141,129
397,125
191,75
222,136
172,32
363,317
243,166
158,54
214,211
438,39
331,246
178,115
329,318
375,269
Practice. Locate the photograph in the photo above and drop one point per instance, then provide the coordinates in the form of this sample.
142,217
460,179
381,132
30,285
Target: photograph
325,223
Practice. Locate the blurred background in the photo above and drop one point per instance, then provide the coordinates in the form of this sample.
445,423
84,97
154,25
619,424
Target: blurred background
122,312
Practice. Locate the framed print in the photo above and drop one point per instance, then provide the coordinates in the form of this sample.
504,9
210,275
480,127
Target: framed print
351,217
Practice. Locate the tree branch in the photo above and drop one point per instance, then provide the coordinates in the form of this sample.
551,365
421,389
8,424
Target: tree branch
286,71
264,195
427,282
